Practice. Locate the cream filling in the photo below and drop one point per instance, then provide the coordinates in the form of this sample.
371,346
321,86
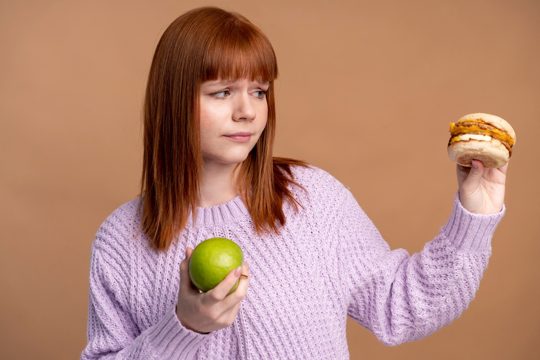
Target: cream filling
465,137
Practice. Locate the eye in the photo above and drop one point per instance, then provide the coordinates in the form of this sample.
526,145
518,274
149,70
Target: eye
222,93
261,94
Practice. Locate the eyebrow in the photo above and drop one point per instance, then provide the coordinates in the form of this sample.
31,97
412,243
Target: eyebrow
229,82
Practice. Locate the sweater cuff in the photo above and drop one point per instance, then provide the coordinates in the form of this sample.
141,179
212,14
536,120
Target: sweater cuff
171,340
469,231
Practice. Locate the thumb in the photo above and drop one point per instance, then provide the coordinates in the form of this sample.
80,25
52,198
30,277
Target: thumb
476,173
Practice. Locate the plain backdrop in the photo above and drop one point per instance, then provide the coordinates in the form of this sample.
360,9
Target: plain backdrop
366,91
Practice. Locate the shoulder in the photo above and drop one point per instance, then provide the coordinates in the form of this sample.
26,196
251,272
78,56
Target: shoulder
316,179
120,228
114,251
322,189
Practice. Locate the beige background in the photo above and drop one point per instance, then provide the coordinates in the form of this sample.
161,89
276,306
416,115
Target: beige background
366,91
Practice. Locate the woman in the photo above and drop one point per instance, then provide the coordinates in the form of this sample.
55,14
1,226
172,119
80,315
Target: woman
314,256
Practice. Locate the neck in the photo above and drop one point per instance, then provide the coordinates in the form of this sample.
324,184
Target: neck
218,184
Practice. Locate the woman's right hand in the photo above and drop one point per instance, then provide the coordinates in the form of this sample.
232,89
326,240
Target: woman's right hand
214,309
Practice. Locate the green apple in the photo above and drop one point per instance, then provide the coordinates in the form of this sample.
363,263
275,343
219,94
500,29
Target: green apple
212,260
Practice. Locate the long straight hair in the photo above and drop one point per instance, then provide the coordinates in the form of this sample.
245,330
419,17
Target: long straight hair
203,44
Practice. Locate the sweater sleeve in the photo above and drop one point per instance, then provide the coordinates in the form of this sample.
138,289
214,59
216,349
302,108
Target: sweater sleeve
112,332
402,297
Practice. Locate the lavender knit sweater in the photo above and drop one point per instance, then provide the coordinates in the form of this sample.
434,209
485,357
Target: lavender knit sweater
328,262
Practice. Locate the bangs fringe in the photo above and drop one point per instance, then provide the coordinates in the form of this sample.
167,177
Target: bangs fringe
240,50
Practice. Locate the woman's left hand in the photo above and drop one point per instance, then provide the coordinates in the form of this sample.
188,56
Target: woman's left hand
481,190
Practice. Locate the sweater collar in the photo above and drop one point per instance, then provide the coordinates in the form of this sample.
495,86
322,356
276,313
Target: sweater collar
227,212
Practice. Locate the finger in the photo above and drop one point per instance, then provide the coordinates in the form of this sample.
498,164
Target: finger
219,293
245,271
462,172
231,304
241,291
185,281
504,168
227,316
476,172
230,314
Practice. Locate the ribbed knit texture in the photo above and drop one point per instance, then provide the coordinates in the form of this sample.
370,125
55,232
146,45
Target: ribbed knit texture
328,262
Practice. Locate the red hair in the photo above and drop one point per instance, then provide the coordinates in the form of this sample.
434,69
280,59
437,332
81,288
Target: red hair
206,44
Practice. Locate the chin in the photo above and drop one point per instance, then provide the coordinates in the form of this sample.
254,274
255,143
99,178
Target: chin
227,159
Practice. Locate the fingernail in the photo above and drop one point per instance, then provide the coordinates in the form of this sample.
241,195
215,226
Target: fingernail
238,271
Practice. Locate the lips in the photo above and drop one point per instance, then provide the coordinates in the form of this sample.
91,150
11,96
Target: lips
242,137
240,134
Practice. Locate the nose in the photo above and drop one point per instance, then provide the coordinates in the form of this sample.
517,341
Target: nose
243,108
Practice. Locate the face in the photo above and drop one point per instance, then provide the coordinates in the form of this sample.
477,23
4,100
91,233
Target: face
229,108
